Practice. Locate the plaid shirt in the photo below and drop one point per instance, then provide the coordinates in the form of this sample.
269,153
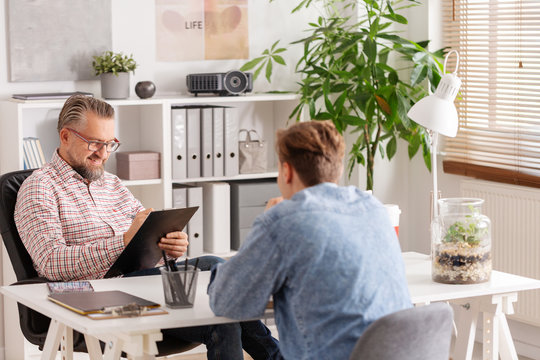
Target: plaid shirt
73,229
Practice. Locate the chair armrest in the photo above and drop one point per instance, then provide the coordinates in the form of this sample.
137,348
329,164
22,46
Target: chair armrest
36,280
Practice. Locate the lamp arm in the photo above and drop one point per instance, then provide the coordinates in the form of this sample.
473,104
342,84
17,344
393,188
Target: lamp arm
434,137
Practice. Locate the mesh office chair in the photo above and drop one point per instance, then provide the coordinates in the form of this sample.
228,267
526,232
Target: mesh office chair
420,333
34,325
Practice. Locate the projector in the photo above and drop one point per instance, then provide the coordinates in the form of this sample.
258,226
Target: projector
230,83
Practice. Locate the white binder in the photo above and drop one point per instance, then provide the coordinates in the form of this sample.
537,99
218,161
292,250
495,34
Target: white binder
218,141
207,161
179,158
179,197
193,142
230,139
217,221
195,225
180,200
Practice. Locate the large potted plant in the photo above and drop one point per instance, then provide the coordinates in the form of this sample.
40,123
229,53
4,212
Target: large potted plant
346,76
113,70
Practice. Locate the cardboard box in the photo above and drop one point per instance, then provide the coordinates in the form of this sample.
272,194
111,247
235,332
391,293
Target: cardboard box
138,165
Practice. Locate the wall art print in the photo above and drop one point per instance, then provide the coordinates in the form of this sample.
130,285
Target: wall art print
188,30
55,40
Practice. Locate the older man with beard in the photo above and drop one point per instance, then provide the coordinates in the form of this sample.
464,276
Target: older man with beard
75,219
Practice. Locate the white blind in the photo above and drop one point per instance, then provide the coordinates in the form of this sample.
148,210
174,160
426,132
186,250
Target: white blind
499,103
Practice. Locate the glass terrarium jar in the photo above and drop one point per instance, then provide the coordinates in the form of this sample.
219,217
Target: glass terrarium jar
461,242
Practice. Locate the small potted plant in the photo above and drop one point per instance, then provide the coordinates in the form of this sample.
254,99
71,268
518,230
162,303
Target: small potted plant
113,70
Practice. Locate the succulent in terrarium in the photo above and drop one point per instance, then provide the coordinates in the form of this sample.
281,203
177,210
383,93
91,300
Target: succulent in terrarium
461,243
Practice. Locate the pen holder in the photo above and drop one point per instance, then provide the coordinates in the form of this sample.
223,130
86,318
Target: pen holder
179,287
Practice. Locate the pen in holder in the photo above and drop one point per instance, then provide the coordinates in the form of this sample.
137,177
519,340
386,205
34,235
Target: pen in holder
180,286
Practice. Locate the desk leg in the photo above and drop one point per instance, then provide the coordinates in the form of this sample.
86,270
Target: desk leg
92,345
497,338
50,348
66,344
113,349
138,346
467,316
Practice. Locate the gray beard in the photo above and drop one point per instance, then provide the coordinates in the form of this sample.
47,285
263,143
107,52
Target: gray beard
90,175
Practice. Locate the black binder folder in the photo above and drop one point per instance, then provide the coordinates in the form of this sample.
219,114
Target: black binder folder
143,252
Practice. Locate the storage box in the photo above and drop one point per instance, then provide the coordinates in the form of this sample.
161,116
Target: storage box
248,200
138,165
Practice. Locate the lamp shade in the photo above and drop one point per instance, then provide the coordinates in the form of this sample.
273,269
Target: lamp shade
437,111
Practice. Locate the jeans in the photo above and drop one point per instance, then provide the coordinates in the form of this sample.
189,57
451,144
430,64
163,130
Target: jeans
224,341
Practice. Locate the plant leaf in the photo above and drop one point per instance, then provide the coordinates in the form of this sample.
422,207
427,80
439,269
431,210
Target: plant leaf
391,147
251,64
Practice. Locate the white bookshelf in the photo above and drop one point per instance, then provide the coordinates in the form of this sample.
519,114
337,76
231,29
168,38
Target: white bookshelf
142,124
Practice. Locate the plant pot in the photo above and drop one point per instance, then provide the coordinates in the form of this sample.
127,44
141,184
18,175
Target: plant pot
461,242
115,86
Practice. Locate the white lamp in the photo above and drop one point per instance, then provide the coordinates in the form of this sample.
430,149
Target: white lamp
438,115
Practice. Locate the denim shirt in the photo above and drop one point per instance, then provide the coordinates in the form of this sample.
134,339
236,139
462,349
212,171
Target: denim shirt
332,262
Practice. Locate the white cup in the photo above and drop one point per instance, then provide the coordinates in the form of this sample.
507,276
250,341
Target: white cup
393,212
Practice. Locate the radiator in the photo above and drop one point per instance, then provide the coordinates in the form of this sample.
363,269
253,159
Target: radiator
515,235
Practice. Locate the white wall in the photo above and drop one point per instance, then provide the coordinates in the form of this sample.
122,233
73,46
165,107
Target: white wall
134,32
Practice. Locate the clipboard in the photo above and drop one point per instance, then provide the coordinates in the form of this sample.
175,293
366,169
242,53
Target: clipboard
106,304
142,252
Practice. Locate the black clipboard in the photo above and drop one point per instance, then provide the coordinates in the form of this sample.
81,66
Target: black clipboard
142,251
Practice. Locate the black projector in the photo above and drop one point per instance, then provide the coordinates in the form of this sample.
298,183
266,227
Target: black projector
230,83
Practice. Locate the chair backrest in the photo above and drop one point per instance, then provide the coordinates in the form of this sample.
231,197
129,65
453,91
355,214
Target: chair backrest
420,333
20,259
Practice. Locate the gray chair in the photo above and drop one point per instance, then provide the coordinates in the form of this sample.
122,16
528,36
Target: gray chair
420,333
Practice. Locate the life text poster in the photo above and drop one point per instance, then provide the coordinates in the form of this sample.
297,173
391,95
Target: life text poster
201,30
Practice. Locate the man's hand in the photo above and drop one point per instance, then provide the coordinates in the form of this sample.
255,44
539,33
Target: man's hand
174,243
136,224
273,201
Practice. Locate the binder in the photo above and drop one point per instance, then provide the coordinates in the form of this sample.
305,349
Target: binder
179,156
230,140
217,224
206,142
37,152
179,197
195,226
217,140
40,152
179,200
193,142
32,159
26,156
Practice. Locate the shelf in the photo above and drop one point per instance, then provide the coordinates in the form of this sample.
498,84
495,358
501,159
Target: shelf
266,175
176,99
142,182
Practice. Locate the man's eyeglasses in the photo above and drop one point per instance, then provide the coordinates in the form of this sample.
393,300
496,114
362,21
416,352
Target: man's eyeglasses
94,145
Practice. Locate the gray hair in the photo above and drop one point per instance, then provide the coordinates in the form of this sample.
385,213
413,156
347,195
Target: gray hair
75,109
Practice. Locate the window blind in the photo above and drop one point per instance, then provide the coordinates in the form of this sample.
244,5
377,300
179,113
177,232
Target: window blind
499,102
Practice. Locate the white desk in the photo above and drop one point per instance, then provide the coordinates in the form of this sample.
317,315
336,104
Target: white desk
138,336
493,299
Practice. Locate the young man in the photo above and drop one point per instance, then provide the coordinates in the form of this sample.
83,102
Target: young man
327,254
75,219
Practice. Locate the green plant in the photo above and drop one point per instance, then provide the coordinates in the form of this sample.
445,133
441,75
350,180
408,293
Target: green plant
110,62
468,232
346,77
